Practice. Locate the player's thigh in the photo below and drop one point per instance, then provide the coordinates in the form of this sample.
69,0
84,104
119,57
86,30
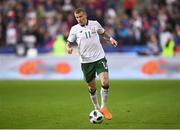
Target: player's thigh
101,66
89,71
102,71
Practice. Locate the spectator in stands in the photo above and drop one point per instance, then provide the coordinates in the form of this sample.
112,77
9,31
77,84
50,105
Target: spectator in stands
123,32
110,16
177,35
11,34
152,45
167,43
2,29
129,6
162,18
137,26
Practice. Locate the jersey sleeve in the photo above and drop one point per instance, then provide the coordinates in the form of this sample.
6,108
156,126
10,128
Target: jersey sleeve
72,35
100,28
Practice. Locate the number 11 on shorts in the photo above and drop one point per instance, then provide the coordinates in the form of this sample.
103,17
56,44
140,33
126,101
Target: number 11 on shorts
105,65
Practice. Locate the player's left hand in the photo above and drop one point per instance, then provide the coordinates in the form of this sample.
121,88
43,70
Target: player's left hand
113,42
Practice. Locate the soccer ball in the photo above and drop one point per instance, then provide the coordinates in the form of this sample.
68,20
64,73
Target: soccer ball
96,117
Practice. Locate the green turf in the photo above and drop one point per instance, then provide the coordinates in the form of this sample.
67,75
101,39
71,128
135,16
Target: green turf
66,104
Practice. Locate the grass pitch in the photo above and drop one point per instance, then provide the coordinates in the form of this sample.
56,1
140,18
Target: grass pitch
66,105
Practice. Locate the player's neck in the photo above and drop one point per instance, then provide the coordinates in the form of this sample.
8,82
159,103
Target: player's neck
86,23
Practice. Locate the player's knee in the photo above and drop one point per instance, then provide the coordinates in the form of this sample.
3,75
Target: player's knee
92,87
92,84
105,83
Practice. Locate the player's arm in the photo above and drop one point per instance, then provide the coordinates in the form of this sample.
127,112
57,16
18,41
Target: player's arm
69,47
106,36
71,38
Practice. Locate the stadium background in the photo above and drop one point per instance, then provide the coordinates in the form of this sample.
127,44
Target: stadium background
144,67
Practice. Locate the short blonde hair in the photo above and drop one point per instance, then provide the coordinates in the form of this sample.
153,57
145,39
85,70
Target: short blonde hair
79,10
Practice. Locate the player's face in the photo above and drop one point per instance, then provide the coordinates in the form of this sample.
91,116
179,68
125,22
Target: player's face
81,18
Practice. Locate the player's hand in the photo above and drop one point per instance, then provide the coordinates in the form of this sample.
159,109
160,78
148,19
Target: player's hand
69,50
113,42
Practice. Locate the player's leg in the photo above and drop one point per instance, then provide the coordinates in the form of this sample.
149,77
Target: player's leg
102,70
105,88
93,94
104,95
89,72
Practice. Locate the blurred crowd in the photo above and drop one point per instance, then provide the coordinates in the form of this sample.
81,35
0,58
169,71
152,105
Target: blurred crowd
37,23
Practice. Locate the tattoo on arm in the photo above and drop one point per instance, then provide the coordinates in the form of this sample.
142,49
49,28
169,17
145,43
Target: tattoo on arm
106,36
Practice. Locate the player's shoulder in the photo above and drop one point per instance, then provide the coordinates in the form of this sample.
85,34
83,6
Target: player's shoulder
75,27
93,21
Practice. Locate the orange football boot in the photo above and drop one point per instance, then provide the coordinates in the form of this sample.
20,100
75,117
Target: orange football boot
106,113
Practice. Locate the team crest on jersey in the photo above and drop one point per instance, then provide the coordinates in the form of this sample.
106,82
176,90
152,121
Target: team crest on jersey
93,30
